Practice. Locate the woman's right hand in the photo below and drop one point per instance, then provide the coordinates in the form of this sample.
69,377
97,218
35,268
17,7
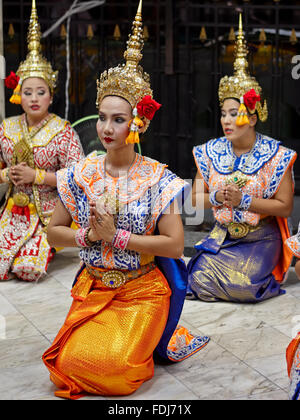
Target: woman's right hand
102,225
21,174
220,195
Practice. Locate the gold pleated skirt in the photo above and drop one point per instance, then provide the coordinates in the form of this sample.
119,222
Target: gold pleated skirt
106,344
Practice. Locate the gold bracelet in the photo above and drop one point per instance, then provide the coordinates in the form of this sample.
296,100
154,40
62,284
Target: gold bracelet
40,175
4,175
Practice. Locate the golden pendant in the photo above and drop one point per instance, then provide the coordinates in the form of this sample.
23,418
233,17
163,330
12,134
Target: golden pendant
23,152
110,202
21,199
237,178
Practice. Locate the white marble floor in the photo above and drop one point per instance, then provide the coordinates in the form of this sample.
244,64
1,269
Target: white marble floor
245,358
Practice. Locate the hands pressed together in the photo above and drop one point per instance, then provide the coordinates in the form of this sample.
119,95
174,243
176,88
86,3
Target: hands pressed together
102,225
21,174
229,195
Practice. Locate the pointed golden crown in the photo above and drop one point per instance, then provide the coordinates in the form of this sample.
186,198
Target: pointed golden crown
241,82
128,80
35,64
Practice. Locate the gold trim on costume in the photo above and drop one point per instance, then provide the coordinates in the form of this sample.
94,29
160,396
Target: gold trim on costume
13,130
23,152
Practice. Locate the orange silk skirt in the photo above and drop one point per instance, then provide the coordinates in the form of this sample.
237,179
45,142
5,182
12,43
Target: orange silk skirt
106,344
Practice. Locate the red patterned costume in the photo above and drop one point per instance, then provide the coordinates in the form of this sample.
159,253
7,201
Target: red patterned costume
51,145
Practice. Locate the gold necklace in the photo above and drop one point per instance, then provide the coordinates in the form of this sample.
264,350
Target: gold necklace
111,200
238,177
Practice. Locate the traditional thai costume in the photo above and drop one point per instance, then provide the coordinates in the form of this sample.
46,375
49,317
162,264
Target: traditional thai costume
126,304
49,146
293,350
242,259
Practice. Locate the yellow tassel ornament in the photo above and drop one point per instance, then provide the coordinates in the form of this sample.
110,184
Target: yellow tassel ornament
16,97
242,117
134,125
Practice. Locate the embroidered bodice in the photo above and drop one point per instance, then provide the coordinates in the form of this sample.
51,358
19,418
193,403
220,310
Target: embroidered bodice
265,166
55,146
144,193
293,243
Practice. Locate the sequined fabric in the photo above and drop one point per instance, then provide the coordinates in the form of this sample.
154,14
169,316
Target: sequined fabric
24,249
106,343
265,167
293,365
238,270
144,194
23,243
249,269
293,243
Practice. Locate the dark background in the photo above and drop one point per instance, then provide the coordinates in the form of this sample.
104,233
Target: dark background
185,70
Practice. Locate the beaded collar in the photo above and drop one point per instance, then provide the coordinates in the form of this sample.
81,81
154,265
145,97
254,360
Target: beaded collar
225,161
43,133
144,173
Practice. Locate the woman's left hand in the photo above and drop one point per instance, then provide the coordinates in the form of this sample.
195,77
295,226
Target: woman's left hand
22,174
233,195
102,225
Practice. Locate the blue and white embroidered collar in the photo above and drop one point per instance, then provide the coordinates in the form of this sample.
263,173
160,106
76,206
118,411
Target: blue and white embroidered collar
225,161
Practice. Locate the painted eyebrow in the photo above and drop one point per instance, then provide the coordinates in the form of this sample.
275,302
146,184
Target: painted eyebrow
231,109
113,115
39,87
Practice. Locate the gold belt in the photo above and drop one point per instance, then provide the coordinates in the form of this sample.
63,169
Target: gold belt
239,230
21,199
116,278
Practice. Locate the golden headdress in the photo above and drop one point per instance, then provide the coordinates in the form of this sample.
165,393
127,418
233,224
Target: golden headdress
35,65
242,86
130,82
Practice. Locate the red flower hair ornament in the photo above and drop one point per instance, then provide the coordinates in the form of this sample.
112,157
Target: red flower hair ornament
11,81
250,99
145,108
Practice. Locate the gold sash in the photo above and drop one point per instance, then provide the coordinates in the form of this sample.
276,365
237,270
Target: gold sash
23,152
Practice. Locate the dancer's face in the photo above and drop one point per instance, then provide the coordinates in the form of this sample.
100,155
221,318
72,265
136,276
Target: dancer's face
112,126
35,99
229,113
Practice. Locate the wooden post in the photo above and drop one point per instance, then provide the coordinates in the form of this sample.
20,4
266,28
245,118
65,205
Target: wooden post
2,67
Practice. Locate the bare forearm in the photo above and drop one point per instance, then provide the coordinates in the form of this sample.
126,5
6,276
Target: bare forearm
159,245
61,236
271,207
50,179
